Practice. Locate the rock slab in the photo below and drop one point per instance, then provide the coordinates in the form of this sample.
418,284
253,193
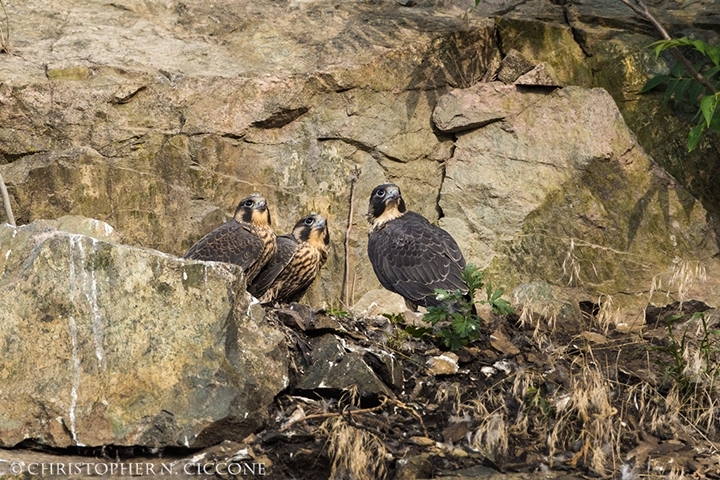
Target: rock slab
110,344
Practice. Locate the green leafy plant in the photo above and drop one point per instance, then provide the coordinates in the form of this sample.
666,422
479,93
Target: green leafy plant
695,84
677,348
338,312
455,321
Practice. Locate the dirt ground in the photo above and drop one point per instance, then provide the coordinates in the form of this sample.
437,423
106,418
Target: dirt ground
523,401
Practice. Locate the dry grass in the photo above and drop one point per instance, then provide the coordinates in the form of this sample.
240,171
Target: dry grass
530,317
449,393
684,275
356,454
491,438
588,418
571,266
607,315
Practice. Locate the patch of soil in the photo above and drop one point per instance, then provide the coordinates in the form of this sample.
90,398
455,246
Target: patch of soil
521,401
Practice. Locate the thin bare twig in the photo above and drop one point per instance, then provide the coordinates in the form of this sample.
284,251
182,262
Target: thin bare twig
354,176
348,412
5,33
336,414
641,9
6,202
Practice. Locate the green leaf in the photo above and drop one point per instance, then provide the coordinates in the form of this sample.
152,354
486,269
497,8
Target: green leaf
418,332
683,86
708,105
662,45
694,136
502,307
715,122
677,70
435,315
672,86
699,45
713,51
654,83
711,72
694,92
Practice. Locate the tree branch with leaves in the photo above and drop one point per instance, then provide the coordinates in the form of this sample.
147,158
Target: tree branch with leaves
695,83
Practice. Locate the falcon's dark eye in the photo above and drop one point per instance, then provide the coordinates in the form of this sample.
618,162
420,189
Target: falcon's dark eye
380,193
249,203
309,221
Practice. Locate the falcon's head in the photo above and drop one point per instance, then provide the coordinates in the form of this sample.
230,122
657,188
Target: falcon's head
386,203
312,229
253,209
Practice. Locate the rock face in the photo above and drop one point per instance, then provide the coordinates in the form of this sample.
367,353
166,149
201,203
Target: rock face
111,344
598,214
159,118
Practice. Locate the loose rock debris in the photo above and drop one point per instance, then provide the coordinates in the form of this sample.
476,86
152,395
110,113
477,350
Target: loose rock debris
599,404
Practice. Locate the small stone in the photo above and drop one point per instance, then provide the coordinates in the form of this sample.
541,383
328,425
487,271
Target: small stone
334,367
411,468
595,338
456,431
512,66
422,441
292,319
502,344
542,75
468,354
445,364
458,452
379,301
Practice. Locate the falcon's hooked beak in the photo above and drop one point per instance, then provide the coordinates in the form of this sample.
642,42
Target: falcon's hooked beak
320,223
261,205
392,195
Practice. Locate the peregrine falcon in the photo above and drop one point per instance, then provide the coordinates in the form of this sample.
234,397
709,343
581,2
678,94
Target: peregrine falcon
299,257
411,256
247,239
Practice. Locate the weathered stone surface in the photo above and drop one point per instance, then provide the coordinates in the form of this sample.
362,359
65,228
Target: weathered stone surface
562,193
445,364
158,119
512,66
547,42
82,226
378,301
335,368
414,467
111,344
483,103
548,307
542,75
387,366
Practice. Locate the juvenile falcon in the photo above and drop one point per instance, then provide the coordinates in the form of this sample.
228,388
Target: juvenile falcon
299,257
410,255
247,239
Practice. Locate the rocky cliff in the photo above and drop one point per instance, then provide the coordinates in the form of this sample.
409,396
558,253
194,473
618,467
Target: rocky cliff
515,125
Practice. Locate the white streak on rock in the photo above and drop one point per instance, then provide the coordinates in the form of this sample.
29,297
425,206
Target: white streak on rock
73,338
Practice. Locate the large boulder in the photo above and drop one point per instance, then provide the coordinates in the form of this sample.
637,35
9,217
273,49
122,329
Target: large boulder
561,192
110,344
159,117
